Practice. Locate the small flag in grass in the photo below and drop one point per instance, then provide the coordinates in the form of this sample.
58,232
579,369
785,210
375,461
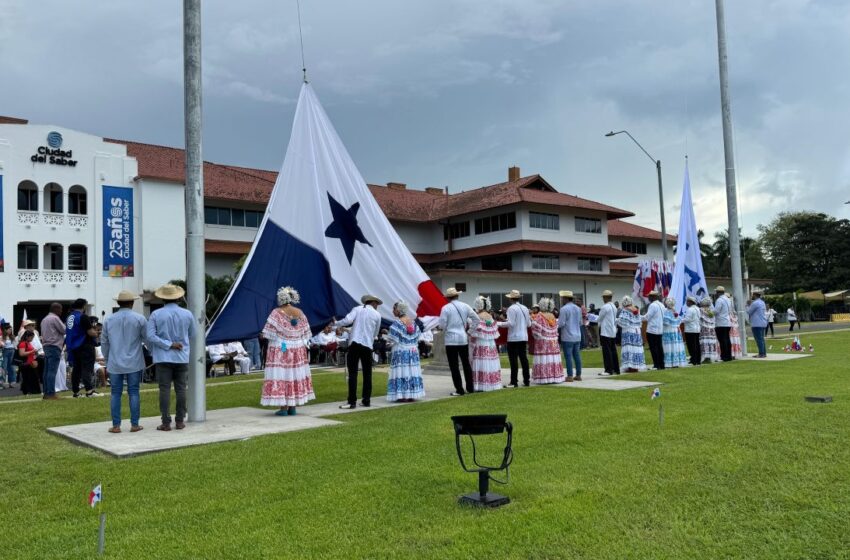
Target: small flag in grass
656,393
95,496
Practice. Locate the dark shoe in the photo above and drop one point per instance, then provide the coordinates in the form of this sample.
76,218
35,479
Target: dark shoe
180,425
365,403
115,430
578,378
526,384
456,394
164,427
569,380
347,406
511,386
291,411
137,428
77,395
50,398
281,412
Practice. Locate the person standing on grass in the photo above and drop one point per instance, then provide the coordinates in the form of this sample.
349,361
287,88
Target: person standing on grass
30,384
518,321
770,315
570,326
287,381
121,342
735,332
671,338
455,318
365,322
707,333
758,322
631,353
547,366
7,347
608,334
654,320
169,330
792,319
53,340
691,319
486,366
723,324
404,382
80,337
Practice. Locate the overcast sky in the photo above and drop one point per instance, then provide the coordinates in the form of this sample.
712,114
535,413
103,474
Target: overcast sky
452,92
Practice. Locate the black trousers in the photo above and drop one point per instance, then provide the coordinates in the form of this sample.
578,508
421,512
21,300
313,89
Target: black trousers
770,328
357,353
609,354
724,342
656,349
694,349
83,368
453,354
518,350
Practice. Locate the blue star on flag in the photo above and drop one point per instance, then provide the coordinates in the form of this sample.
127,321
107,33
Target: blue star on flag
344,227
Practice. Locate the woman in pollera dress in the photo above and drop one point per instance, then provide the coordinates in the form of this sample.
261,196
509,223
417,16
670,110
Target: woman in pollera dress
483,353
404,383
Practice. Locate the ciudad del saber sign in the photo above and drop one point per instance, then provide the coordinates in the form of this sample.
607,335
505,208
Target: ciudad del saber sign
53,152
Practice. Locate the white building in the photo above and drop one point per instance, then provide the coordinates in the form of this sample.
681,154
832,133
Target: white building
64,239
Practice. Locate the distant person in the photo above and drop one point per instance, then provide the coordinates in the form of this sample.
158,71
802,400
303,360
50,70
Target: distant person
28,369
518,320
455,318
7,347
252,347
671,338
486,365
569,324
735,332
365,322
723,324
80,337
593,326
792,319
547,366
426,343
654,320
770,315
608,334
631,352
404,381
240,356
287,381
707,333
53,341
691,319
121,341
169,332
758,322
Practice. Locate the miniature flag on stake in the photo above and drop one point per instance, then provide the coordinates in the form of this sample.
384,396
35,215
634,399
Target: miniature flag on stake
95,496
656,393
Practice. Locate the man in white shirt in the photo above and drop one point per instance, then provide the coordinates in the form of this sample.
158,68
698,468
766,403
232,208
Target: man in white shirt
366,322
723,324
455,318
654,319
426,343
325,341
608,334
218,354
691,320
792,319
570,329
240,355
518,321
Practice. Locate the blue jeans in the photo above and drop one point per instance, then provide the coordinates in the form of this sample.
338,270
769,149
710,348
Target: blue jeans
52,355
572,351
252,347
117,382
8,366
758,334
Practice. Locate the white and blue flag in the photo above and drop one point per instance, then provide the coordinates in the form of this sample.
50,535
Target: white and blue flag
688,275
325,235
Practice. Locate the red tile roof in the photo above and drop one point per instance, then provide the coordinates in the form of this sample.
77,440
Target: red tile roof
12,120
548,247
216,247
619,228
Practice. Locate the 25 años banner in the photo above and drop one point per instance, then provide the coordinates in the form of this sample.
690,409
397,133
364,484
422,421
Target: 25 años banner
117,231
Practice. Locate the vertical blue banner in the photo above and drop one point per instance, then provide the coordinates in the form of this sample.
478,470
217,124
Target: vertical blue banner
2,264
117,231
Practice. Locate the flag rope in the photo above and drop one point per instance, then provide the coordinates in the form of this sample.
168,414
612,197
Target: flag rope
301,37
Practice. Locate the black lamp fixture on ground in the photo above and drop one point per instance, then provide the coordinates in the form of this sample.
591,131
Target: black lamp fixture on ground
480,425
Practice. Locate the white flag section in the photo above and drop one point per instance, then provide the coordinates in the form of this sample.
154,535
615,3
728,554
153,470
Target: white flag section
688,275
325,235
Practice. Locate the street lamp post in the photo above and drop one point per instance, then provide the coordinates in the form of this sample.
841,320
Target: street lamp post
657,163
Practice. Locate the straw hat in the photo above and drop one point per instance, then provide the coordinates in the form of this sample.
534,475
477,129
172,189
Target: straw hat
369,299
565,293
653,293
169,292
606,293
27,323
514,294
720,289
692,299
452,292
125,295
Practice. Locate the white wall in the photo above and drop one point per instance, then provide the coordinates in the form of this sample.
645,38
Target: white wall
163,255
221,265
653,248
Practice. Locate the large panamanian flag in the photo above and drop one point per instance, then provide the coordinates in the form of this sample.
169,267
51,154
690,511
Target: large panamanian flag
688,275
325,235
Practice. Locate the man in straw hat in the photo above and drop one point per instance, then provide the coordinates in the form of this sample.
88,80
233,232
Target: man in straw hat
121,343
654,320
169,330
569,325
518,321
53,340
608,334
691,319
723,324
758,321
366,323
455,318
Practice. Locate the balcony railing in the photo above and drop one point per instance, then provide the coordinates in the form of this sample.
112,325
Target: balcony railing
54,219
28,218
53,277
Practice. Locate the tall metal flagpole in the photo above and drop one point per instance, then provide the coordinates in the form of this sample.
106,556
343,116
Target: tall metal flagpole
195,279
731,188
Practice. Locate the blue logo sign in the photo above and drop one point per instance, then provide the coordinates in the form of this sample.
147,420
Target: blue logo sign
54,139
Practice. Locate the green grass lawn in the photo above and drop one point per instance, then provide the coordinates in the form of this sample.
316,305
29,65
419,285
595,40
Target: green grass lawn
742,468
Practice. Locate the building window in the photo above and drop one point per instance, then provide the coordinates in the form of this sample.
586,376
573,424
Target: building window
27,256
456,265
28,196
635,247
237,217
541,220
53,256
460,286
545,262
502,262
77,200
78,257
495,223
590,264
497,300
458,230
588,225
53,198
